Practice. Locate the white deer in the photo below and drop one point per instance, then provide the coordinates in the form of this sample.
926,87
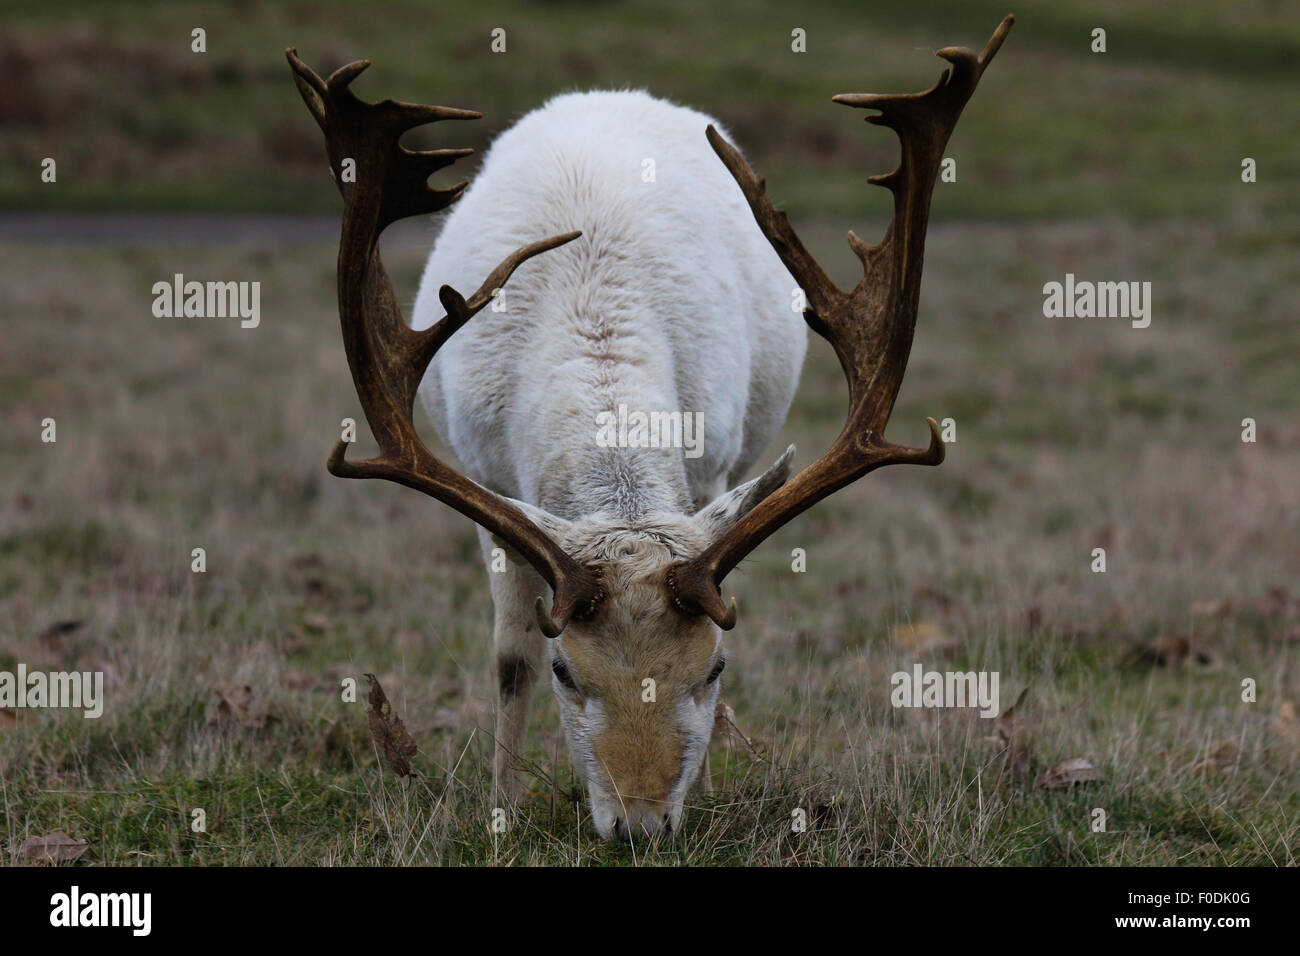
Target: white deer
657,294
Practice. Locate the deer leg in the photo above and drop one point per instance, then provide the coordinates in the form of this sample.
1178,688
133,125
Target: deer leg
520,657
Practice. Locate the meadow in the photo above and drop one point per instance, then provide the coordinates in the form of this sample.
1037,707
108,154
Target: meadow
1071,434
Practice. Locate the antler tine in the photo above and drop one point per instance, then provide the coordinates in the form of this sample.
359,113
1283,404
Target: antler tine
483,295
368,133
822,294
870,328
410,114
310,86
459,310
345,74
966,73
387,358
995,42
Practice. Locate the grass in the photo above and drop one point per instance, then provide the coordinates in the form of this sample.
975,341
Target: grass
1154,128
1071,434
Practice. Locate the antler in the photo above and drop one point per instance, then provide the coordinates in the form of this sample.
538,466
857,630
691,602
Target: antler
870,328
387,357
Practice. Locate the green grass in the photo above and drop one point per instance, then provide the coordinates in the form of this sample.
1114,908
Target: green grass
175,434
1156,127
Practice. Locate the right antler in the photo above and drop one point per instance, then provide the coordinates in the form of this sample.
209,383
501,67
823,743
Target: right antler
870,328
387,357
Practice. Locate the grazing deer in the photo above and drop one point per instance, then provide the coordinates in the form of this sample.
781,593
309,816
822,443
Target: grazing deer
661,296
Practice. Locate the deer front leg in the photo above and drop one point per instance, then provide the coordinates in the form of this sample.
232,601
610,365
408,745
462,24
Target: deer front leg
520,657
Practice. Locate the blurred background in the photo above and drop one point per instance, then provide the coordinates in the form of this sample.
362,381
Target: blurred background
1072,434
1151,128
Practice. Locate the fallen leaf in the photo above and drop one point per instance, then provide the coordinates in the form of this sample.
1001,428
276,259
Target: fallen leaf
56,847
940,599
315,623
793,856
1286,722
1224,759
1067,773
923,637
52,637
1167,649
236,704
1279,600
825,815
387,731
1011,733
1171,650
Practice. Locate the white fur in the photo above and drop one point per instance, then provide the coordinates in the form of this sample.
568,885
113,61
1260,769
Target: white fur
672,300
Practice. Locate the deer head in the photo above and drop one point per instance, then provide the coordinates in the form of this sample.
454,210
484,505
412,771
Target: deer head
637,613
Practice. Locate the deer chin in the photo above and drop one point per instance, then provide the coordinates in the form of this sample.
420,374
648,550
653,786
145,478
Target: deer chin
619,808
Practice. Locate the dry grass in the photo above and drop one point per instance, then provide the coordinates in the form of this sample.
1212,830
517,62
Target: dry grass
1072,434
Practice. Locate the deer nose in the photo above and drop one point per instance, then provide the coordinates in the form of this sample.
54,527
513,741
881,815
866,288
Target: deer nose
643,822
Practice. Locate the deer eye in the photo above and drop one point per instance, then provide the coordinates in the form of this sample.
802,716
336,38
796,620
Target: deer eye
717,669
562,674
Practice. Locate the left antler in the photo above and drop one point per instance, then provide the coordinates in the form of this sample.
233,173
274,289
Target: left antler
870,328
387,357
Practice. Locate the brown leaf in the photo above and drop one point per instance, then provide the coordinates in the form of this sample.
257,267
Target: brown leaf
8,718
1011,730
940,599
793,856
1279,600
1286,723
56,847
52,637
923,636
1224,759
387,731
1067,773
1171,650
315,623
237,705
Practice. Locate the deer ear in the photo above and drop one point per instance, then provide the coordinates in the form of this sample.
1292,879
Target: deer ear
557,528
724,511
